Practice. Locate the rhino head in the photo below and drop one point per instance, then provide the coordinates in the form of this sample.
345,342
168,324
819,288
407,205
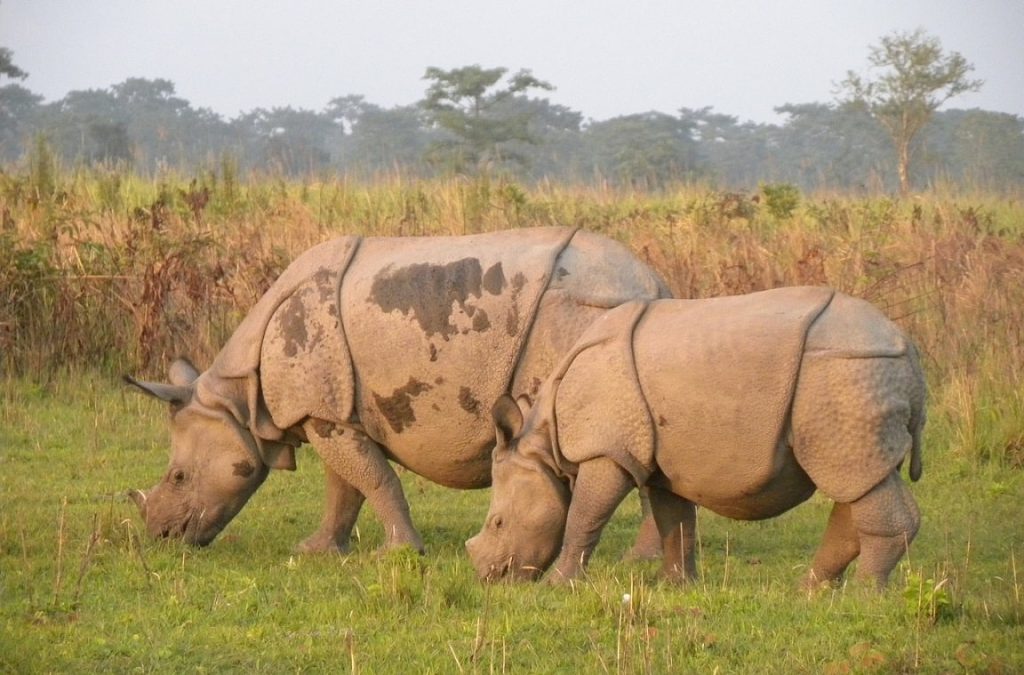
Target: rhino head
525,523
216,461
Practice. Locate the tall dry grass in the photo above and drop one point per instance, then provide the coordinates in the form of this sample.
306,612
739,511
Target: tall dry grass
104,269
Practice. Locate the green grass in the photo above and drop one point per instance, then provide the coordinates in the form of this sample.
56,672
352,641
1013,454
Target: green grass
82,591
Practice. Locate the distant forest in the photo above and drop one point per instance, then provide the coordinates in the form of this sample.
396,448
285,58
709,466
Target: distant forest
142,124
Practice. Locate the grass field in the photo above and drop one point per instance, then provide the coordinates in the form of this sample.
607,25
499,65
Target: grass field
106,274
83,592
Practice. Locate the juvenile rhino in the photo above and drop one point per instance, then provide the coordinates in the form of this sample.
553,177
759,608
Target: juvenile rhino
377,349
744,405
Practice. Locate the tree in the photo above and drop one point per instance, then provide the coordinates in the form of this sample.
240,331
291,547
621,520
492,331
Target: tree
915,76
976,148
470,104
377,140
7,66
293,141
18,110
647,150
823,146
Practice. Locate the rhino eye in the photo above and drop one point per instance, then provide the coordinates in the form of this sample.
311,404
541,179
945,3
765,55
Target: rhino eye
178,476
497,522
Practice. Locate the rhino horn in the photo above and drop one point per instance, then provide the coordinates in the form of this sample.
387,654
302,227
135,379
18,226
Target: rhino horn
140,498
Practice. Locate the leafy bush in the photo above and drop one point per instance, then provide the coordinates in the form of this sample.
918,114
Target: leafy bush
781,199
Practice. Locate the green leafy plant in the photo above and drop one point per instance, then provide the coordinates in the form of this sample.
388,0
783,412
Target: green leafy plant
780,199
926,598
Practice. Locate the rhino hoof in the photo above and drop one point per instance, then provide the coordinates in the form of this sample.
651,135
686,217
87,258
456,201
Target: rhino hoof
320,544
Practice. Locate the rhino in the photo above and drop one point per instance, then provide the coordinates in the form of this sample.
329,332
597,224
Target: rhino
745,405
374,349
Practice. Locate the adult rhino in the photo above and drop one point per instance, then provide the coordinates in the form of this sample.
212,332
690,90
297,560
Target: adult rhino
375,349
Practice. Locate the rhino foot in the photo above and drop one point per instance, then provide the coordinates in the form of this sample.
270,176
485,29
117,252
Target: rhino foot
648,542
322,543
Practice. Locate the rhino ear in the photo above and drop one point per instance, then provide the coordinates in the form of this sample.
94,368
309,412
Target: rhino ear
181,372
172,393
524,403
508,419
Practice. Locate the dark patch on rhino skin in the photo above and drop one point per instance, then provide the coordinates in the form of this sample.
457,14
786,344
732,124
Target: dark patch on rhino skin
427,292
494,279
535,387
480,321
561,273
324,281
468,402
397,408
433,352
439,380
323,428
293,324
662,422
512,319
243,469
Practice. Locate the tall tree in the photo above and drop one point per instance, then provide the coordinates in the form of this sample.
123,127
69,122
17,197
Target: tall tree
7,66
913,77
18,110
291,140
646,150
468,103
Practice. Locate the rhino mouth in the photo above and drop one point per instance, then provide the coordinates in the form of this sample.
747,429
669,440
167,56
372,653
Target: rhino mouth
194,528
178,530
508,570
496,572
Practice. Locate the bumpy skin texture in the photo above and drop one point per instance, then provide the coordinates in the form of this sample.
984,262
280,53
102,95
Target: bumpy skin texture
378,349
744,405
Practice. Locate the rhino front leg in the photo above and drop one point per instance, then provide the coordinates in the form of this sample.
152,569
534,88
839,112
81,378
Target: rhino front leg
341,509
359,461
676,519
601,485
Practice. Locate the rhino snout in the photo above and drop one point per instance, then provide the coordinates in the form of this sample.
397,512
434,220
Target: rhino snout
488,567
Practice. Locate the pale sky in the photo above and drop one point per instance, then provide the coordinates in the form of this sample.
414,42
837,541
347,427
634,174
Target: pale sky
605,58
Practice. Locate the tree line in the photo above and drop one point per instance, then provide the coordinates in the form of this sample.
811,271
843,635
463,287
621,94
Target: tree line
474,119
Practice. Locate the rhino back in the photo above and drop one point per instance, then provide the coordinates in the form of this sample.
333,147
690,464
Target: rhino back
719,376
435,327
591,275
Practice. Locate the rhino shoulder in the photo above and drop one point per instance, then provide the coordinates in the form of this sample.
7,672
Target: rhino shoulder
240,356
602,272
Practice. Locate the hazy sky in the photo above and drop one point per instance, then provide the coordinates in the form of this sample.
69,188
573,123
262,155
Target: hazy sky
744,57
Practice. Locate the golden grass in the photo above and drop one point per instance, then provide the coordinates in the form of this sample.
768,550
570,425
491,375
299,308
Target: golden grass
123,273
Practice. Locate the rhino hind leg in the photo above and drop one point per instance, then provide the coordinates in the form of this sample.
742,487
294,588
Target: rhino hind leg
359,461
878,528
648,540
887,520
676,520
839,547
341,509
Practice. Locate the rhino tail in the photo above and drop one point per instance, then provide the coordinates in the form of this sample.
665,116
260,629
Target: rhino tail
917,413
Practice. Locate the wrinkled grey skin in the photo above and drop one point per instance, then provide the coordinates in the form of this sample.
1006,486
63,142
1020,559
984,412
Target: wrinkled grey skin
838,409
525,525
379,350
201,491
